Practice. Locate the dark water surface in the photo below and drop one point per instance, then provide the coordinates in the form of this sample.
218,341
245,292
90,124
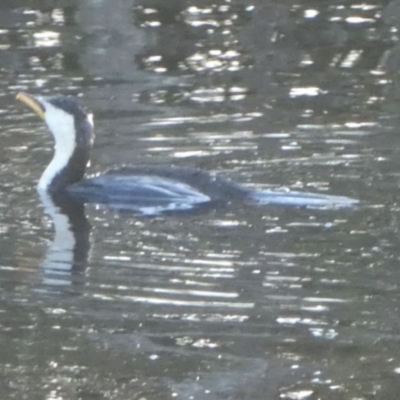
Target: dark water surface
239,302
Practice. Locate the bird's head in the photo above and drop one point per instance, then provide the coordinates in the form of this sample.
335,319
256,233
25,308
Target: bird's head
68,122
72,129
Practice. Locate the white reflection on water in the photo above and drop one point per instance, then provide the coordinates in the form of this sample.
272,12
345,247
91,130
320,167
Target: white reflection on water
304,91
310,13
360,20
189,292
173,301
351,59
197,10
212,118
46,39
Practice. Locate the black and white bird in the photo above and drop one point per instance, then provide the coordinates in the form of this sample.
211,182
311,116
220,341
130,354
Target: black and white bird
165,187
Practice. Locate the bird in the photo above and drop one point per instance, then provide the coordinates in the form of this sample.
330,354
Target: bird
135,187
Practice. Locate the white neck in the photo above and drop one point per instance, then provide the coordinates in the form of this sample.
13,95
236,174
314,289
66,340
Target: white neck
61,125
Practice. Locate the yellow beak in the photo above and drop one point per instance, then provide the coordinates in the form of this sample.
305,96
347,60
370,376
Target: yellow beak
32,103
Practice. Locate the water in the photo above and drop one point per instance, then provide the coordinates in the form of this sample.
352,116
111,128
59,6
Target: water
238,302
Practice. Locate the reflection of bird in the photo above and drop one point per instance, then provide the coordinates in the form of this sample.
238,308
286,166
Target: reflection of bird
140,187
69,249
